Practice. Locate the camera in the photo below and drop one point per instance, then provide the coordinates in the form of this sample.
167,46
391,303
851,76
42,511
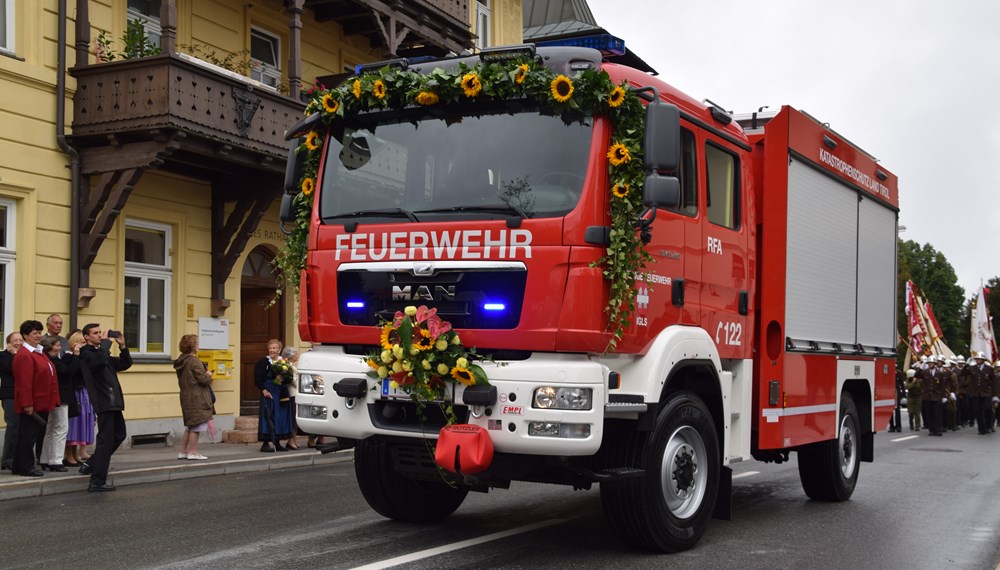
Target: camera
114,334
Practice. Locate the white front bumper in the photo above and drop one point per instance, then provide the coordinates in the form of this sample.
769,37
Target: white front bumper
507,421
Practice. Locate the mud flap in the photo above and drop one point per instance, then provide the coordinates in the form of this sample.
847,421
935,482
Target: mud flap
724,500
866,447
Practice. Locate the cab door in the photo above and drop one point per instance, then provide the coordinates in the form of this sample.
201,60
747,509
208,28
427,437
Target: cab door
725,287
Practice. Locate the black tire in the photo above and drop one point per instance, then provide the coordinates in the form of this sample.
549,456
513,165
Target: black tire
829,469
669,507
397,497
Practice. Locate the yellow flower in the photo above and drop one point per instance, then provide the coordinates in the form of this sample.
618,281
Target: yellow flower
471,85
382,372
617,96
397,366
521,74
427,98
463,375
620,190
312,140
356,89
387,356
441,344
308,185
618,154
397,351
442,368
394,385
384,340
414,350
426,365
330,105
562,88
462,362
378,89
410,310
422,340
372,364
455,340
407,365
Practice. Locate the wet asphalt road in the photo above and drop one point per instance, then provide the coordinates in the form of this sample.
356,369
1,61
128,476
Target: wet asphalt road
925,503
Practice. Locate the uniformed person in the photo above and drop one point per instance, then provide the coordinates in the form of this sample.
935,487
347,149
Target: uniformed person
965,414
983,385
895,423
951,406
913,398
933,385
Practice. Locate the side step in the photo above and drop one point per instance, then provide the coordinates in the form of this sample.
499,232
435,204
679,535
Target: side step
608,475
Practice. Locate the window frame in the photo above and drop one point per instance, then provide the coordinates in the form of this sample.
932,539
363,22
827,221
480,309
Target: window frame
483,12
151,23
8,9
8,257
736,195
145,272
262,69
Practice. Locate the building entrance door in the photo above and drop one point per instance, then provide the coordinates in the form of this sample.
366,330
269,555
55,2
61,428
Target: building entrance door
258,323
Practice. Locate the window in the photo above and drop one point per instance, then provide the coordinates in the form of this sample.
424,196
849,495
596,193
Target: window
6,267
483,23
7,28
688,175
148,11
147,287
723,193
265,52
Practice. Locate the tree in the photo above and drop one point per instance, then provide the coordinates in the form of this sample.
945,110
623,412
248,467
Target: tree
935,277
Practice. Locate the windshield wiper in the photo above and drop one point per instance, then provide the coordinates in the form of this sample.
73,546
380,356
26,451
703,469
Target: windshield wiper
492,208
392,212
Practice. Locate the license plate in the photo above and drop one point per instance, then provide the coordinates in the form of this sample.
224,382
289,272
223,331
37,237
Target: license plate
388,392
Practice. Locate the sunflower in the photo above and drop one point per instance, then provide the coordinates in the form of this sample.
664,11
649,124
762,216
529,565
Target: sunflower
424,342
308,185
384,339
521,74
618,154
562,88
356,89
427,98
312,140
620,190
463,375
330,103
471,85
372,364
378,89
617,97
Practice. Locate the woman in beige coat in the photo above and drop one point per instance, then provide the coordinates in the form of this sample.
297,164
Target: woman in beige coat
196,396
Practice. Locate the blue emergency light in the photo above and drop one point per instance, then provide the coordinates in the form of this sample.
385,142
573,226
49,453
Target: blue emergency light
494,307
607,44
355,305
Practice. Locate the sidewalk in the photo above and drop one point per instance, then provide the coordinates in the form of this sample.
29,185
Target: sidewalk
149,464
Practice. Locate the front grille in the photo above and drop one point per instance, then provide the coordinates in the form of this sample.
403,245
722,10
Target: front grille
460,296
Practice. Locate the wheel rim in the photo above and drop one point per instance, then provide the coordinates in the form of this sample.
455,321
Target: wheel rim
683,474
847,447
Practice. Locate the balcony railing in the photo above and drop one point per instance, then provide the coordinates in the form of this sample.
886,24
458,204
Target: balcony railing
132,99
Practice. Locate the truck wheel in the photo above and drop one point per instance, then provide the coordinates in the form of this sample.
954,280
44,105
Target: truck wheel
397,497
829,469
669,507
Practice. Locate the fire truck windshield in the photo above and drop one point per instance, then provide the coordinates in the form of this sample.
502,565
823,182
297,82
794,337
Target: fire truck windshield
455,167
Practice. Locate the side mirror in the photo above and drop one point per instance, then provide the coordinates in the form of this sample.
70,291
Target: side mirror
661,191
287,211
295,166
662,143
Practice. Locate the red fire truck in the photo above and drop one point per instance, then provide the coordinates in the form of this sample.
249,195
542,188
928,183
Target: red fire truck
764,321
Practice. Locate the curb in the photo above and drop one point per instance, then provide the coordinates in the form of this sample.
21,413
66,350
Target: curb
141,475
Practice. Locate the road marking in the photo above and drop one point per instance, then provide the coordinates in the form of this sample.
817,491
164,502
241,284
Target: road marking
905,437
388,563
745,474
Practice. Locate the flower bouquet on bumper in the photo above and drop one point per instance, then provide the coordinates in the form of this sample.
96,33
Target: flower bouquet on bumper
420,354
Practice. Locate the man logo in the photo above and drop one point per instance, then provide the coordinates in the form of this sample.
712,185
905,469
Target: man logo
423,269
423,293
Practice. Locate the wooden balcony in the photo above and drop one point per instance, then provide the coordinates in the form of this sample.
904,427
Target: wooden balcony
207,117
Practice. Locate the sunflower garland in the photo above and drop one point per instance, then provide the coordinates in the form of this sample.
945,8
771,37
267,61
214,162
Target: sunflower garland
587,93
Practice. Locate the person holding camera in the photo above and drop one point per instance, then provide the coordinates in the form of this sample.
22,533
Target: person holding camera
100,373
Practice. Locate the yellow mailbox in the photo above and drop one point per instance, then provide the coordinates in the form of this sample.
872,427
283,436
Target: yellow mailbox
218,362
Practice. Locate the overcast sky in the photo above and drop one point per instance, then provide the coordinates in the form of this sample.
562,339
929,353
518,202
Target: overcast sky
915,84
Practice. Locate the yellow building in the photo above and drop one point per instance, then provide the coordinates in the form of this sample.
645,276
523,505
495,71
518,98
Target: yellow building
139,190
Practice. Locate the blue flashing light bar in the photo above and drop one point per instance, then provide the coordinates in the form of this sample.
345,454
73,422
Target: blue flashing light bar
607,44
355,305
494,307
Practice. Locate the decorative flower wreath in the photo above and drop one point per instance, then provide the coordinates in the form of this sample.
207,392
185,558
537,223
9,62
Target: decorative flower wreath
589,92
420,353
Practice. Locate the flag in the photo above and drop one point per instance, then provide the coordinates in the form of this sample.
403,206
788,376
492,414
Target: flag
982,331
914,324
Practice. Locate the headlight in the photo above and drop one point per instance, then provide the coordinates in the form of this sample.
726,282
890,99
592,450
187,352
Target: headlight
311,384
566,398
